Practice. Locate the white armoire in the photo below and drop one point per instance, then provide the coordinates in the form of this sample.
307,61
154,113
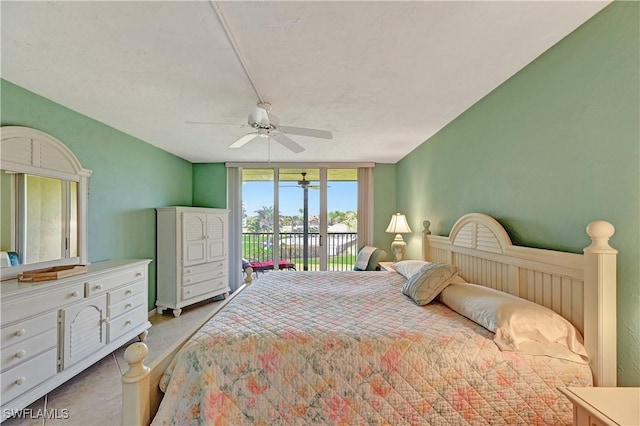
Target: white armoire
192,256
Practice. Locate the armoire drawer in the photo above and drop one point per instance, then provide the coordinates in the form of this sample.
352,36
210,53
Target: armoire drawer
20,379
40,302
204,267
203,288
124,323
22,351
188,280
26,329
105,283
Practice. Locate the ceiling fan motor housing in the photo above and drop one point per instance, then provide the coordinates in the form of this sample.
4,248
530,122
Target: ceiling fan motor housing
261,119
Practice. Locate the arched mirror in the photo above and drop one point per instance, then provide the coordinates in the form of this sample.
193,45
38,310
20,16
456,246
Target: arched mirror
43,202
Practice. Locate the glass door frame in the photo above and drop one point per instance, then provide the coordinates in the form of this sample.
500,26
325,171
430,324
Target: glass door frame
234,201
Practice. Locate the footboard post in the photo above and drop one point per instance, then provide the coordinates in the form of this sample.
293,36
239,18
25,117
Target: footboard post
135,387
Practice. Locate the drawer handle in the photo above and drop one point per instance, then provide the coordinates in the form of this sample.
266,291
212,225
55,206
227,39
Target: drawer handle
188,271
128,305
21,354
20,332
128,322
188,291
20,380
75,294
138,274
105,320
128,291
98,287
189,280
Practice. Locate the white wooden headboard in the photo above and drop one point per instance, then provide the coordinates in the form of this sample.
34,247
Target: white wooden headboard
580,287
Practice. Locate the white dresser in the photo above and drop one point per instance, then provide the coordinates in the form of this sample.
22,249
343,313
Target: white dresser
53,330
192,255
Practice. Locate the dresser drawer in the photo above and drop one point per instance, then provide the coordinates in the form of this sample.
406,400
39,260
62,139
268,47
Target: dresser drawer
45,301
204,288
15,354
107,282
124,305
126,292
126,323
25,376
24,330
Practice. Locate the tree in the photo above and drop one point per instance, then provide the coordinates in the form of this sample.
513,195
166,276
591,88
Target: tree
265,219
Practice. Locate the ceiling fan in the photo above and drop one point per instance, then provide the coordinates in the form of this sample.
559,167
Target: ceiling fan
268,125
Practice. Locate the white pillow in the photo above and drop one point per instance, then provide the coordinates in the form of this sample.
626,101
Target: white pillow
519,325
428,282
408,268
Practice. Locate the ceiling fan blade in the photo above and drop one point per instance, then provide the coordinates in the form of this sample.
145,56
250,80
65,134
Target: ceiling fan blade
244,140
314,133
287,143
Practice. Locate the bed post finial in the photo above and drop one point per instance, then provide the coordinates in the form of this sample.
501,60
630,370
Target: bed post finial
600,302
426,224
600,231
135,386
248,279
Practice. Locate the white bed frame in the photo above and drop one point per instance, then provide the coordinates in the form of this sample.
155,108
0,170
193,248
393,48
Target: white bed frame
580,287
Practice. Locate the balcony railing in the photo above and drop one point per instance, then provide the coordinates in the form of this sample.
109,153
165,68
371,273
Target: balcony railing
341,249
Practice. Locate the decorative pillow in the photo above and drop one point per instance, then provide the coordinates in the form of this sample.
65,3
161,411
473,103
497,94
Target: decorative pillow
378,256
408,268
428,282
519,325
368,258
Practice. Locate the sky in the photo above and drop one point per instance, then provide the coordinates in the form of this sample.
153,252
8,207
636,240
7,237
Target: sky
341,196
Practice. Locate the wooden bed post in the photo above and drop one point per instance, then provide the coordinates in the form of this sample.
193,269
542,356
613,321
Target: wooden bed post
135,387
426,253
600,302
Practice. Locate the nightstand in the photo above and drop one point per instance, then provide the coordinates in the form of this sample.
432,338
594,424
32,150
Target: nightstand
387,266
604,406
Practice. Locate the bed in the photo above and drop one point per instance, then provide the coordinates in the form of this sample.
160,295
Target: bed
351,348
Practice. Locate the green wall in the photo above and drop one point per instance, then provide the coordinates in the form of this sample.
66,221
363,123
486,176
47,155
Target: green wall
130,177
551,149
210,185
384,205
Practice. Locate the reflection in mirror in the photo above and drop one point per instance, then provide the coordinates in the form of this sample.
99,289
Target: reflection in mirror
40,216
43,203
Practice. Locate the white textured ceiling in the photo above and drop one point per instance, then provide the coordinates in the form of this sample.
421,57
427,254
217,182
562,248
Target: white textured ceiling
382,76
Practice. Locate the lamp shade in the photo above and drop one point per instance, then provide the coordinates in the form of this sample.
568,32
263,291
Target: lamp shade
398,224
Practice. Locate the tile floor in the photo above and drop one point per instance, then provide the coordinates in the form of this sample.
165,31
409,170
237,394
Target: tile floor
92,398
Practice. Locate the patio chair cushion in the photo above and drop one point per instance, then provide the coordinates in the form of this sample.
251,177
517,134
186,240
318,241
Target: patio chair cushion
268,265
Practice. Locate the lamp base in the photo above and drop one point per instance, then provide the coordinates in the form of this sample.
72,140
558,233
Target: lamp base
398,247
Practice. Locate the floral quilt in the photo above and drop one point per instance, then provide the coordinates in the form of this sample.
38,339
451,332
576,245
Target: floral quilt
348,348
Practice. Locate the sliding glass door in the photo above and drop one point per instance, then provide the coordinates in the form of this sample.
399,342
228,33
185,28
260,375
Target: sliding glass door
303,217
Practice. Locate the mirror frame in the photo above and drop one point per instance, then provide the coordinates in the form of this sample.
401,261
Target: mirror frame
30,151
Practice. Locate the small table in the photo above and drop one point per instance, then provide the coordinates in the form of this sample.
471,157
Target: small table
387,266
604,406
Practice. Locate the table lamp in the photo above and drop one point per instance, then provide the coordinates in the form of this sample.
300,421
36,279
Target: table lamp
398,225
